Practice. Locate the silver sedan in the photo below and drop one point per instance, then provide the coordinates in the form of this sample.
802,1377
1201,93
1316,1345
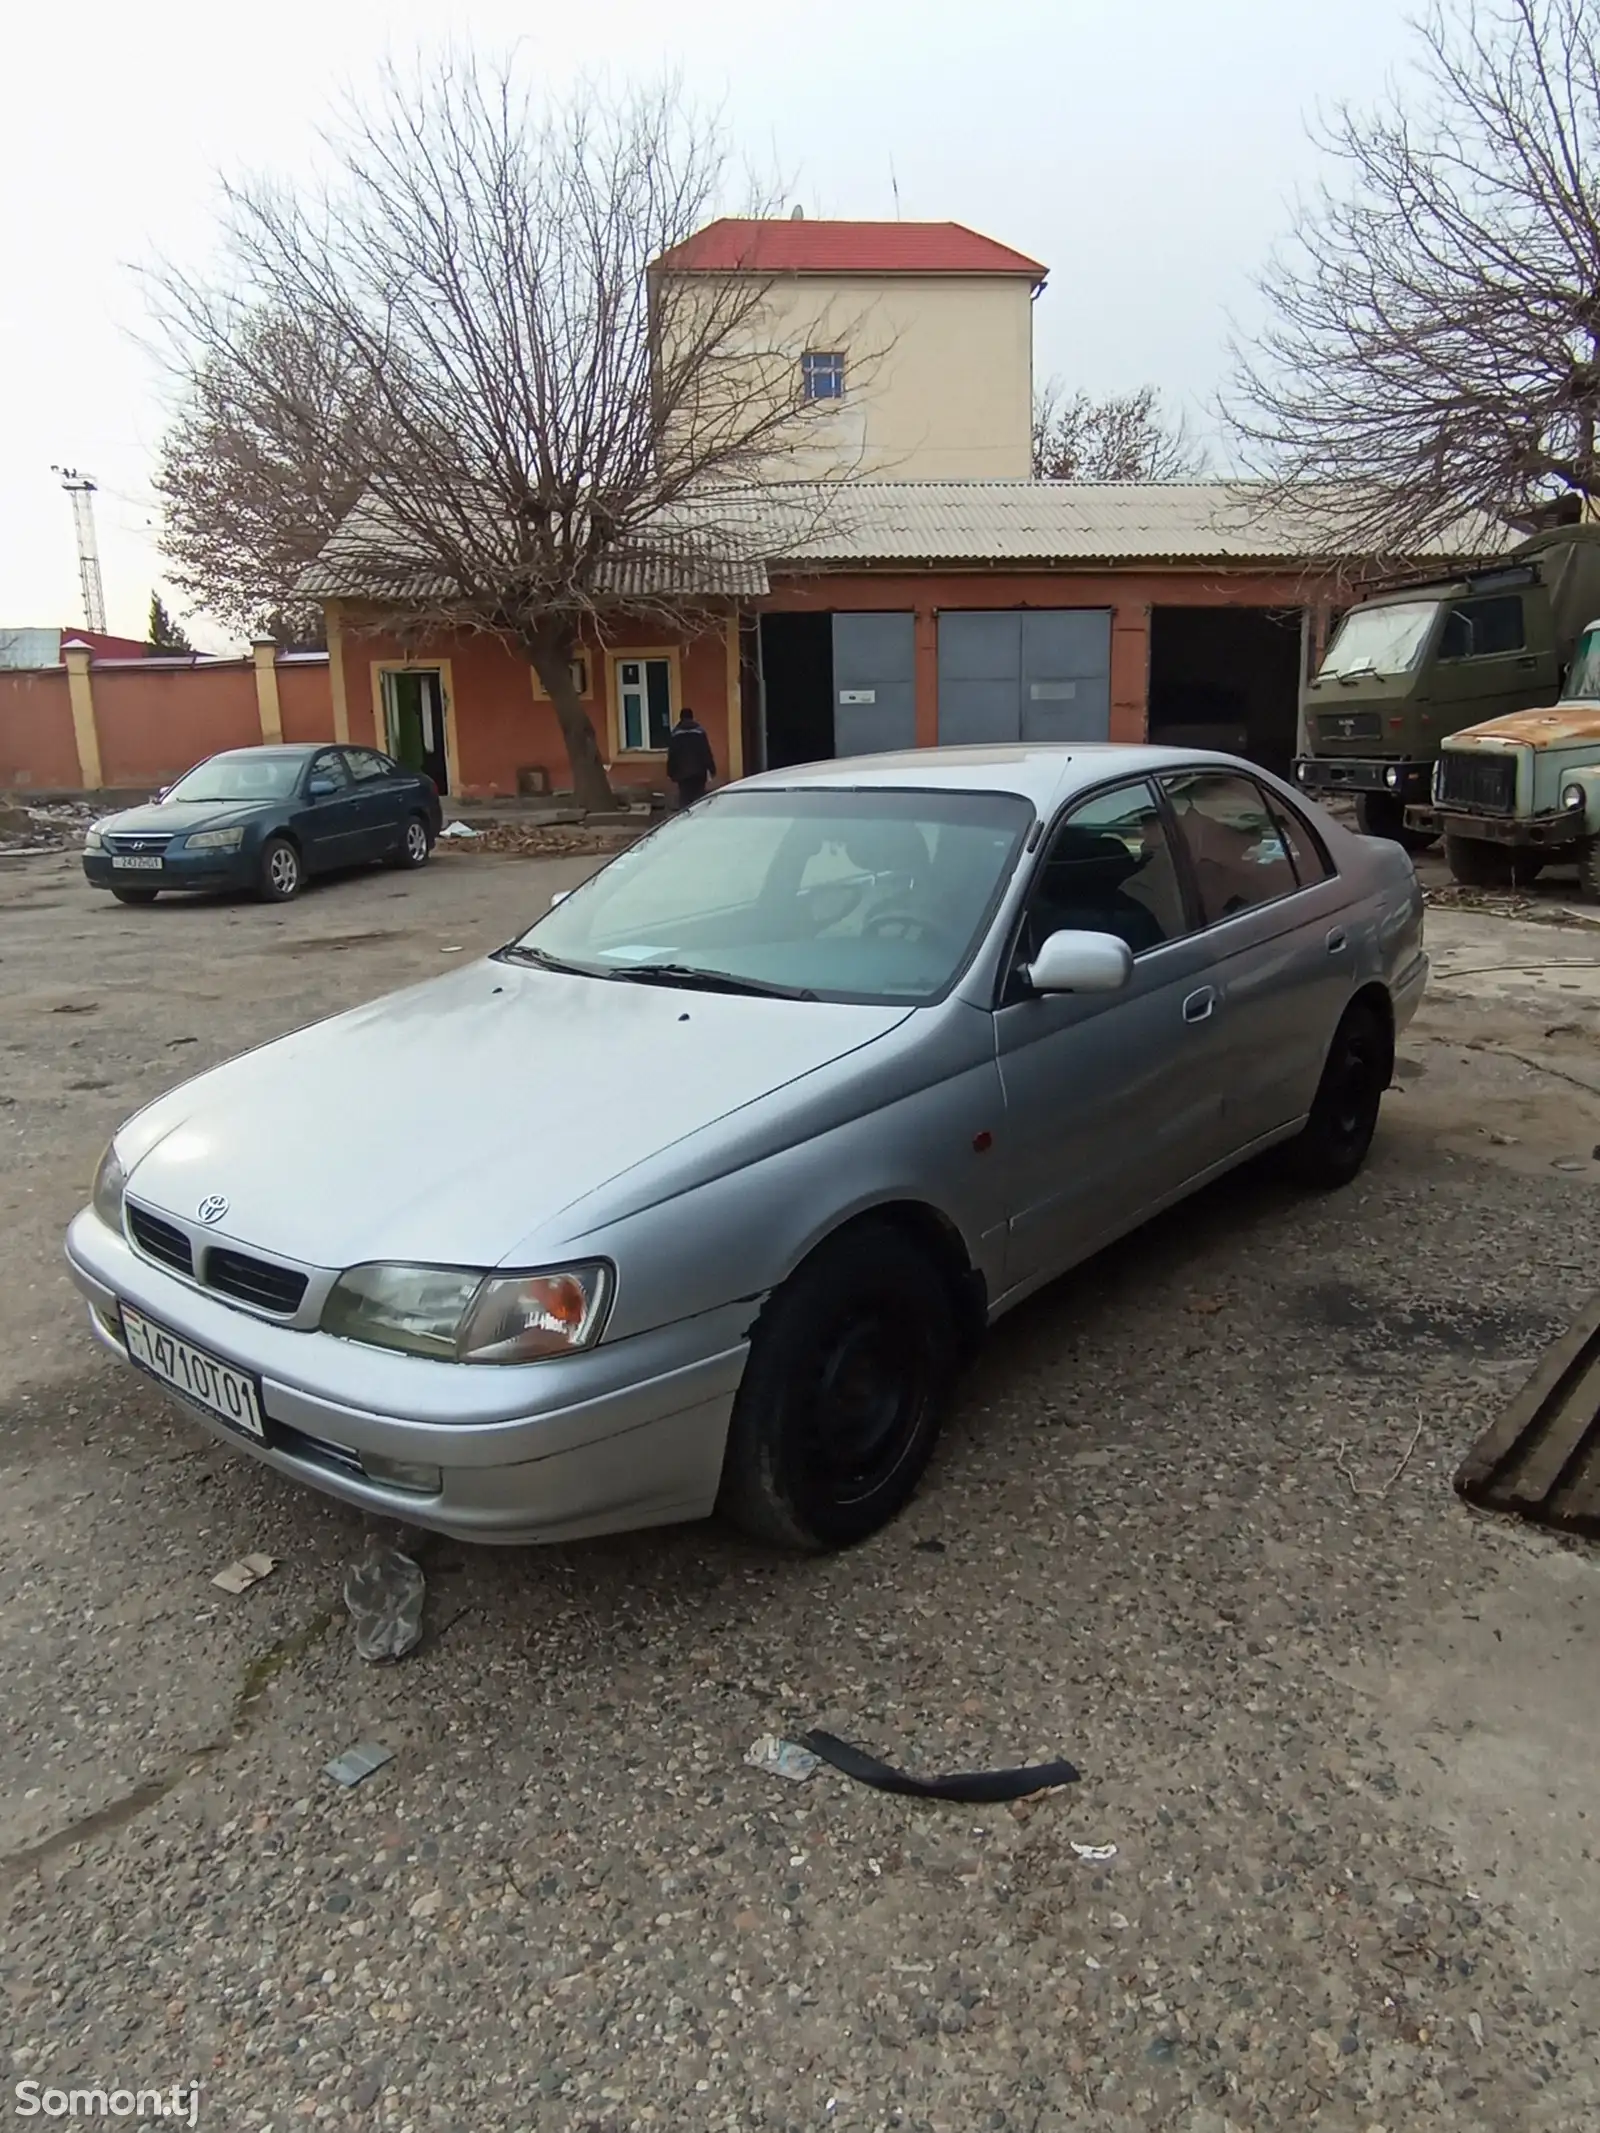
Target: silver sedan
739,1148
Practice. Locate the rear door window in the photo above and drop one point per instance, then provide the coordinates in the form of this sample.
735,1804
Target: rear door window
1237,849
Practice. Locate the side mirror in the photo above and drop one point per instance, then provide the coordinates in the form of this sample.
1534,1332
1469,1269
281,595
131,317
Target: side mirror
1081,962
559,897
320,788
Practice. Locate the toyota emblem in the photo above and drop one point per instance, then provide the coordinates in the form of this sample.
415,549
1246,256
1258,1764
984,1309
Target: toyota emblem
212,1208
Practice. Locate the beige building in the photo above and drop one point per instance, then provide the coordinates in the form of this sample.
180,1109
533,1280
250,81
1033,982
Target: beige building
908,346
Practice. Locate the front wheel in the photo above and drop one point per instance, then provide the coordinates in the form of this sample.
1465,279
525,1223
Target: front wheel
1477,863
843,1394
281,875
1382,814
1589,869
1333,1144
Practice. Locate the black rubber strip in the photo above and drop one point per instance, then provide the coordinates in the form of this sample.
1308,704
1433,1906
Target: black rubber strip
962,1785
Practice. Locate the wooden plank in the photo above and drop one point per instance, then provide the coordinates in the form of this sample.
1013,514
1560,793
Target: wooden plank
1567,1421
1493,1447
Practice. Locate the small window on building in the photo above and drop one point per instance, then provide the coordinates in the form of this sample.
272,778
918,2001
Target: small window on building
822,375
579,670
1475,629
644,702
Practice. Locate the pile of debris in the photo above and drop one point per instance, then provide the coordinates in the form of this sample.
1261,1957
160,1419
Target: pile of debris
53,826
533,840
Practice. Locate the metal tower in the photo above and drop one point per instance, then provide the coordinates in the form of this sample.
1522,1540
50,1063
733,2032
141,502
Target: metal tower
81,488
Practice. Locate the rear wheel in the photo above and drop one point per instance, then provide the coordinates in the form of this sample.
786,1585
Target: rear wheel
1382,814
843,1394
414,846
1333,1145
282,873
1477,863
135,896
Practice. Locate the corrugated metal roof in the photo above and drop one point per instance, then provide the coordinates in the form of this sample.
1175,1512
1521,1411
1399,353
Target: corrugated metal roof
1071,522
723,543
739,246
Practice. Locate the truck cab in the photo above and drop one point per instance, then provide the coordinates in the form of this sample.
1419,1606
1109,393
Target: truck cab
1517,793
1417,662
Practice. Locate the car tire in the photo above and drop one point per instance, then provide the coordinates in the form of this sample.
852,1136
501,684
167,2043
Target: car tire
1477,863
135,896
1589,869
282,872
1526,867
416,843
839,1409
1380,814
1332,1146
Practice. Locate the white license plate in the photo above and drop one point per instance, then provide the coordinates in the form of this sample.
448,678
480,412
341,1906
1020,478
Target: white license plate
137,859
229,1394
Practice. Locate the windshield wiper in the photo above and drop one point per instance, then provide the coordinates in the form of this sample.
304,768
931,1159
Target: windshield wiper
519,952
695,979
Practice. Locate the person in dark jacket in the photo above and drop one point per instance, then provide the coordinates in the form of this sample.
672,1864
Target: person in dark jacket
690,764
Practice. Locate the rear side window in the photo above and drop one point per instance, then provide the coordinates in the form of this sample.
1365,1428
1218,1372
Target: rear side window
364,765
1475,629
1236,846
1306,850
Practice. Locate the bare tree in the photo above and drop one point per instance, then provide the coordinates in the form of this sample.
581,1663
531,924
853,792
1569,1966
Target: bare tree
1125,437
266,455
1433,339
545,431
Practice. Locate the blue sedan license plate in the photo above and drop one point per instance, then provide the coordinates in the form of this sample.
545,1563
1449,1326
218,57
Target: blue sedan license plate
149,864
231,1395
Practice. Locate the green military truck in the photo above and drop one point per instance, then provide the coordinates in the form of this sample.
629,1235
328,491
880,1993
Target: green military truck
1415,663
1522,792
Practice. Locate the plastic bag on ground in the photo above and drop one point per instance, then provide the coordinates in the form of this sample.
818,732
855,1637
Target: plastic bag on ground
384,1593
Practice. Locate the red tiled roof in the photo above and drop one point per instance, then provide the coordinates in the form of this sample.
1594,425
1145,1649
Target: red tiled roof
795,247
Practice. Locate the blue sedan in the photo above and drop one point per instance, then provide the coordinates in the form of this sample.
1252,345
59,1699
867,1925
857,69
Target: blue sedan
262,819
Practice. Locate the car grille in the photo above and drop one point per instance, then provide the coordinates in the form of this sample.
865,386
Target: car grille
1349,726
140,843
160,1240
254,1281
1485,783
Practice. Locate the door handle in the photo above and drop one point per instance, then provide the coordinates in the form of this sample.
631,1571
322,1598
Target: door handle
1198,1006
1338,941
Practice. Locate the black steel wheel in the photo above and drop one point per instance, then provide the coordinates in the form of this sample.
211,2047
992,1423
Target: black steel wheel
839,1411
1333,1145
1477,863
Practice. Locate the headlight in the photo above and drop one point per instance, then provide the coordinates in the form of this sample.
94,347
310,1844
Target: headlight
1391,777
214,840
459,1315
1575,798
92,839
110,1184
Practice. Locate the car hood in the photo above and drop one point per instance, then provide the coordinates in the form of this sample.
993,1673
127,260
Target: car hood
177,817
455,1120
1556,726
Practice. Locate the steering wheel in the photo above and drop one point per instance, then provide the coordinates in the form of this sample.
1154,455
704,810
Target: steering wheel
898,923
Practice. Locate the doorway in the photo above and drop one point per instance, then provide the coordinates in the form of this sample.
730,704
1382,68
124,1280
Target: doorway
1228,678
797,687
413,717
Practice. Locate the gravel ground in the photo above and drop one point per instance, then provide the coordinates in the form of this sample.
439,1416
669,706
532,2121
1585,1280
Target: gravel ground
1184,1529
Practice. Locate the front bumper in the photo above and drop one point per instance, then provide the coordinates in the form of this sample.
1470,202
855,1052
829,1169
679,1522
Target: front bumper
1544,832
630,1434
178,870
1410,781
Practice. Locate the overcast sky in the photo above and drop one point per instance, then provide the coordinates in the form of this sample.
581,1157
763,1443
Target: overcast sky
1147,150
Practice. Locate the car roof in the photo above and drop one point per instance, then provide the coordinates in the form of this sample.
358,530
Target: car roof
1042,772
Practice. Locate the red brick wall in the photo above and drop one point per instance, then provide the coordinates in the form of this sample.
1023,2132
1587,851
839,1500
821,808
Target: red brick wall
305,701
37,750
502,727
155,722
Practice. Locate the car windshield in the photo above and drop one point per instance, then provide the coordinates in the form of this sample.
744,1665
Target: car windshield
239,777
1583,683
1379,640
863,895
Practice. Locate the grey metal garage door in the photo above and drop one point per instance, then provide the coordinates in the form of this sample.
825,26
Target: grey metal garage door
1025,674
874,683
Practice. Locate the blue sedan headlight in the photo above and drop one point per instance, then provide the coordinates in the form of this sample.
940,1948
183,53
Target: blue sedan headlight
228,840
